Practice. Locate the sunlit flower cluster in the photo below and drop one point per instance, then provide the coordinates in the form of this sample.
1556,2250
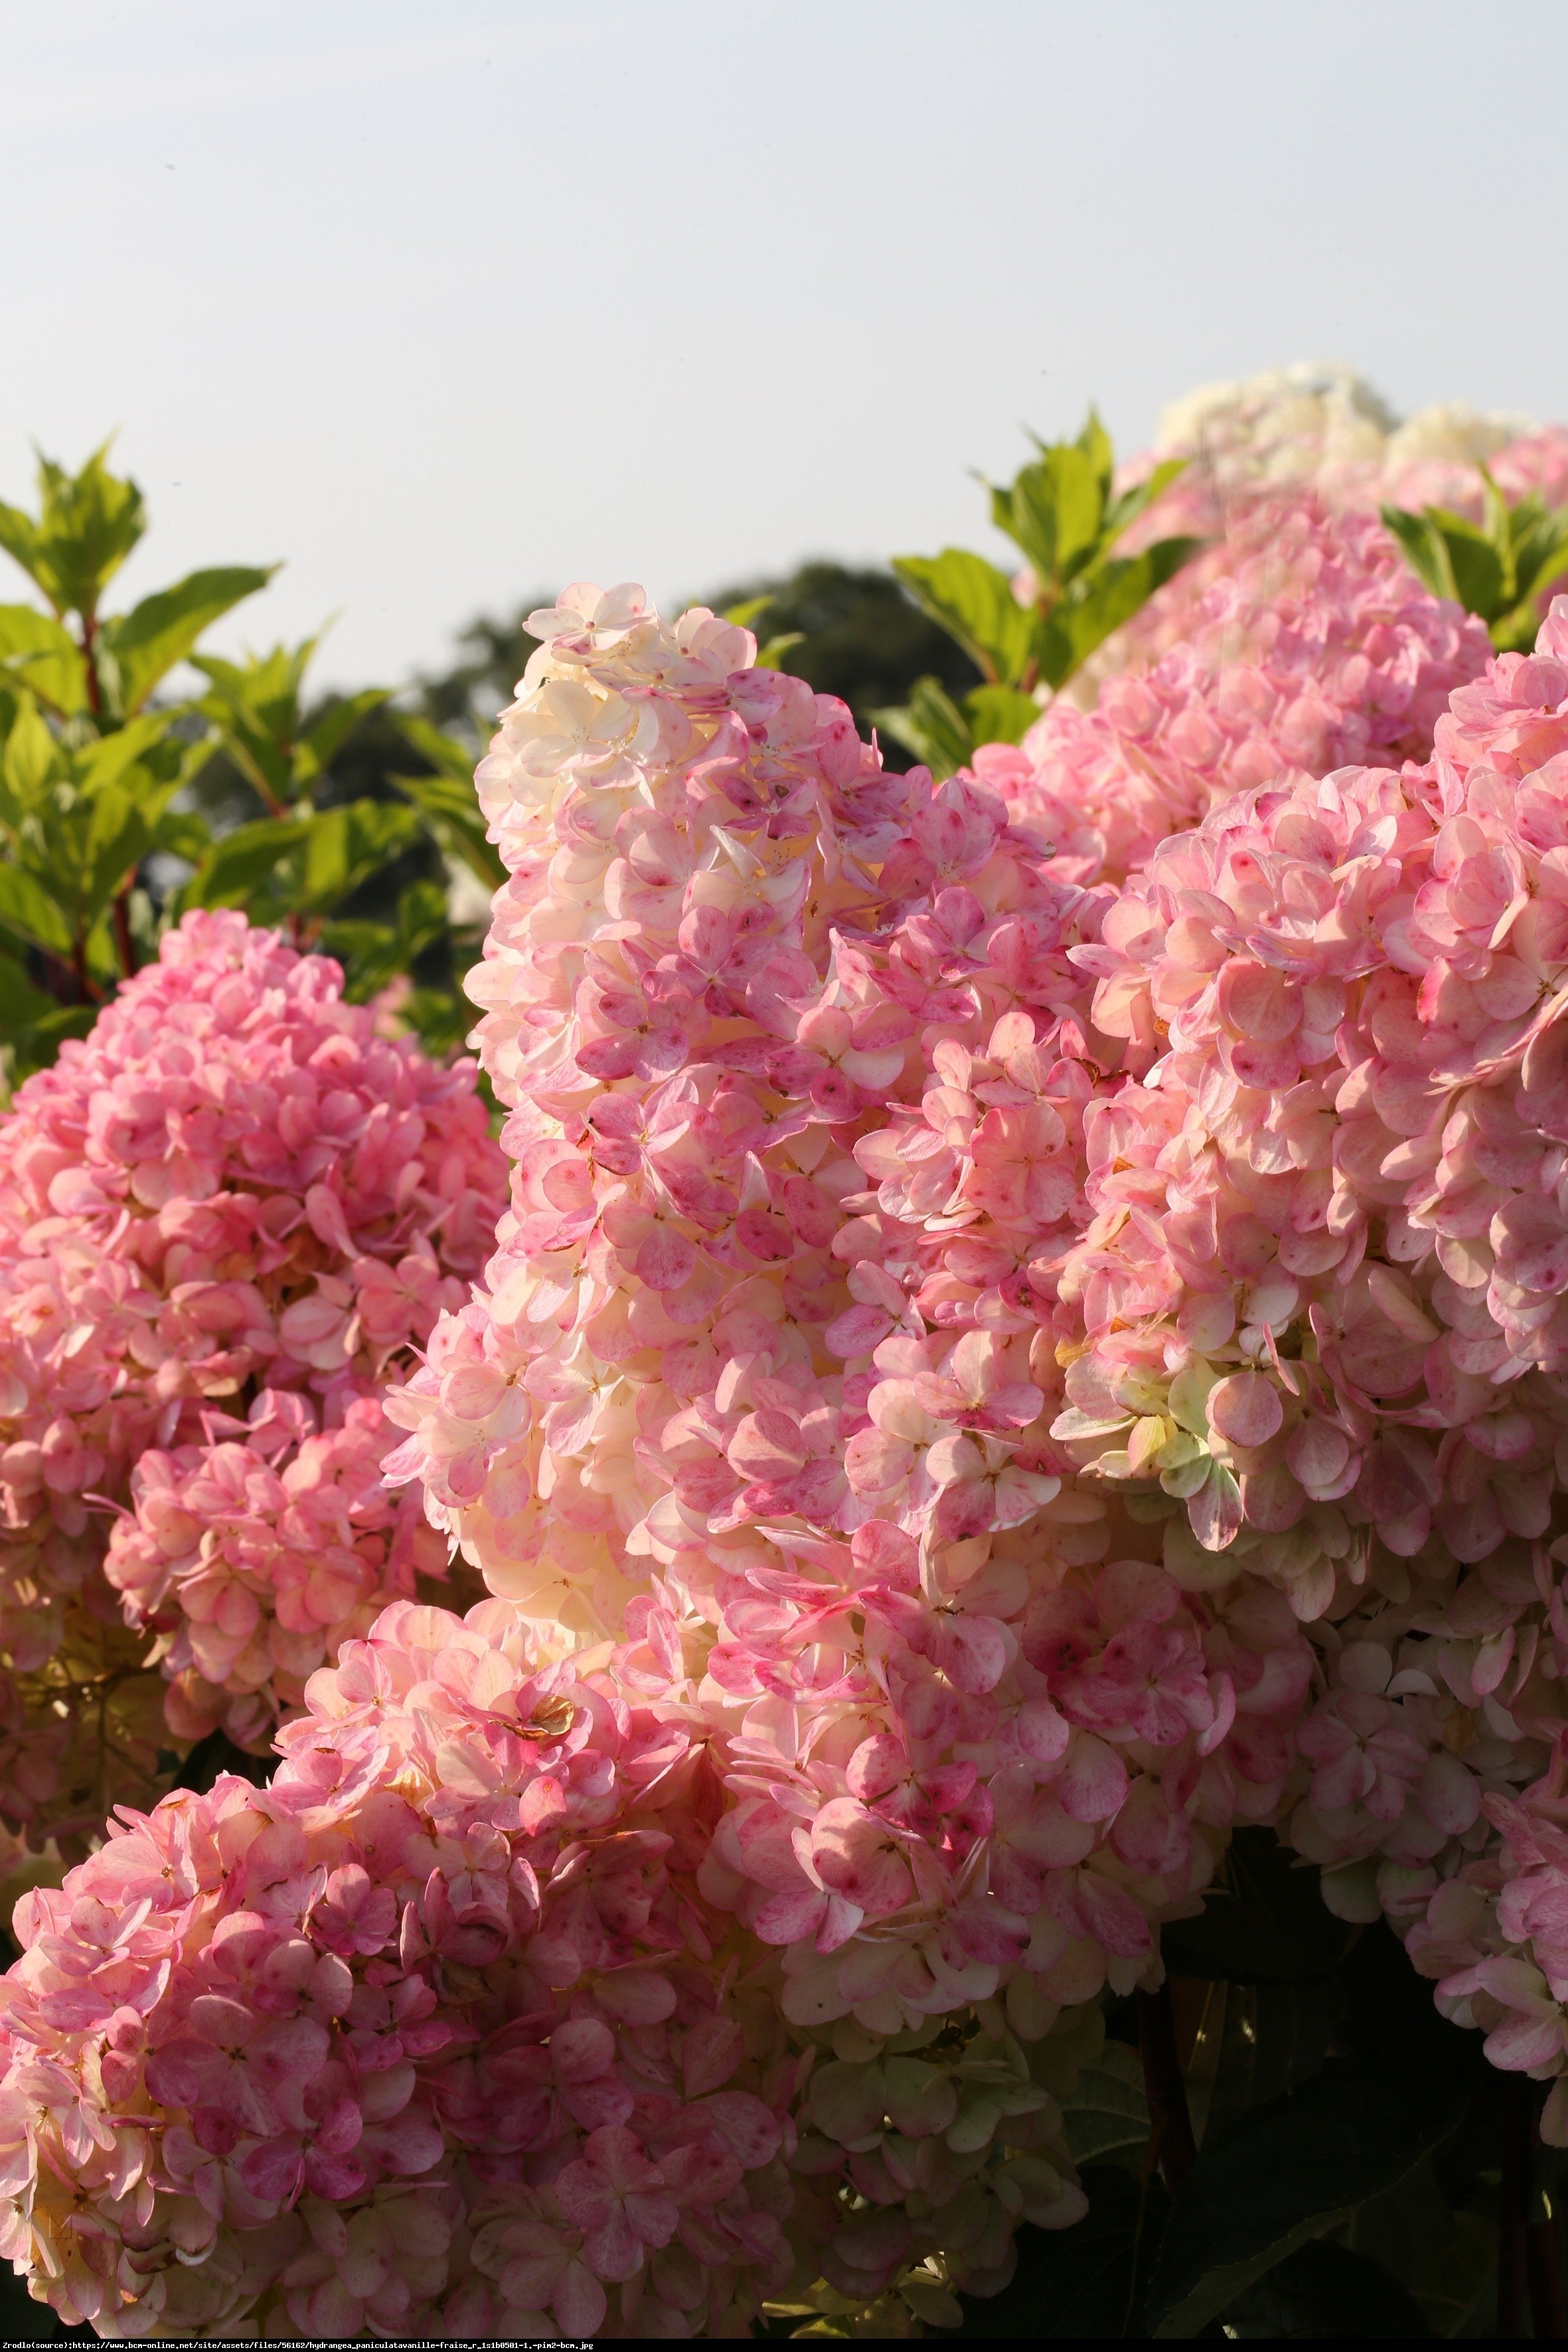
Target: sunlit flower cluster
225,1218
1313,647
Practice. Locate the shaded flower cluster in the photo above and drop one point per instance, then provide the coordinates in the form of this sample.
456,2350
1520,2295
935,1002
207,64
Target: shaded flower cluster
225,1217
439,2035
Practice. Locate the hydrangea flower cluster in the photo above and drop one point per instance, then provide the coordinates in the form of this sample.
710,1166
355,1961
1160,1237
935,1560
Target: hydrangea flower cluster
440,2034
1313,647
225,1218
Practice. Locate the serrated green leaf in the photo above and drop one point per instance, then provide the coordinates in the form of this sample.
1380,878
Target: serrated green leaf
254,707
344,845
30,914
41,654
999,714
147,641
334,730
1064,497
1285,2176
234,867
933,727
87,524
1107,2117
1479,571
32,762
1424,549
974,602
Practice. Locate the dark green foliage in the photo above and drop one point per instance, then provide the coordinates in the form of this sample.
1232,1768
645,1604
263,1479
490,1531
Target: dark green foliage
1346,2183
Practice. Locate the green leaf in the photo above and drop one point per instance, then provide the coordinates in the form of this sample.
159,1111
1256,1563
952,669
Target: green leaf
1059,511
771,655
974,602
371,954
344,846
117,837
1479,573
32,762
331,730
457,823
43,655
30,914
1271,2038
112,757
441,1019
147,642
21,1004
1094,443
255,705
1108,597
39,1044
999,714
86,526
1325,2291
234,867
1425,548
1541,548
1446,2259
933,727
1285,2176
448,754
183,834
750,609
1108,2115
1126,510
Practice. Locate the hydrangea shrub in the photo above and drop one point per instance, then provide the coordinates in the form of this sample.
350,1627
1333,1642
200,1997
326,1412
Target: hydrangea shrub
1026,1336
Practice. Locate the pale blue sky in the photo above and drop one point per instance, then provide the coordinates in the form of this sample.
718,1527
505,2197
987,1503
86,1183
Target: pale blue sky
445,301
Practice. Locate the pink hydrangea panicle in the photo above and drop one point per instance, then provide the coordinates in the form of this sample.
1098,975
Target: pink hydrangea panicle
1302,642
761,1383
440,2035
228,1216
